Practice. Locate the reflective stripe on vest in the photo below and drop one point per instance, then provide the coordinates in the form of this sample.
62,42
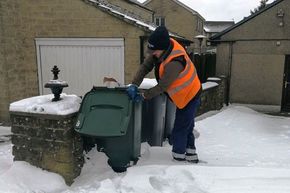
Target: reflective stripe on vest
187,84
186,71
175,52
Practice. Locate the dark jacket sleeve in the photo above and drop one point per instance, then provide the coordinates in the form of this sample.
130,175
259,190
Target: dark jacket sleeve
146,67
171,72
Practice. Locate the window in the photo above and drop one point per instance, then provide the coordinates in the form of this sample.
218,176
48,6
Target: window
199,26
160,21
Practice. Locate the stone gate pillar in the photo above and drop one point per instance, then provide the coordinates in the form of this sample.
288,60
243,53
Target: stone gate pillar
46,139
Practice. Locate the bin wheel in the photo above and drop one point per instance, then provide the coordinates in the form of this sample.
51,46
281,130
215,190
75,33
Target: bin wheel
117,169
135,160
100,149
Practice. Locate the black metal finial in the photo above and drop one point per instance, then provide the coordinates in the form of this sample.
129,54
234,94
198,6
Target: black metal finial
56,85
55,72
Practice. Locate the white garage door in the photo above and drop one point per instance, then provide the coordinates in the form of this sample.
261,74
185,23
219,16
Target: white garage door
83,62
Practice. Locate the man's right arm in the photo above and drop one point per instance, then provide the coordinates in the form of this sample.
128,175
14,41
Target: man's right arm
143,70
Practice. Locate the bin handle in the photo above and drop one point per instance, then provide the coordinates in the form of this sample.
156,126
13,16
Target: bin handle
127,118
103,106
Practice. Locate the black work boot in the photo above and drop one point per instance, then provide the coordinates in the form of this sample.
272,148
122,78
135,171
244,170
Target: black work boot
191,157
178,157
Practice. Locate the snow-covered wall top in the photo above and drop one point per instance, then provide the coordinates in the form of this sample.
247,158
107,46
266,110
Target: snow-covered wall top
69,103
149,83
208,85
43,105
213,78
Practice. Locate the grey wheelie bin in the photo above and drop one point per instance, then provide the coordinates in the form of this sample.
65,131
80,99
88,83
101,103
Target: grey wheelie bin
153,120
115,121
169,119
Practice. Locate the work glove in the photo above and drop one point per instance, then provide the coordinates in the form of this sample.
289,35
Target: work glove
133,93
139,97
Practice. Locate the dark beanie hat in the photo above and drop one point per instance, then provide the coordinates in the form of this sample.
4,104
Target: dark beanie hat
159,39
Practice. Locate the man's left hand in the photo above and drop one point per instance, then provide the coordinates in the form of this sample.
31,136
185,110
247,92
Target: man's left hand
139,97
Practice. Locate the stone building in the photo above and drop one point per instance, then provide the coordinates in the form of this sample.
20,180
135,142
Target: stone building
212,28
255,55
86,39
179,18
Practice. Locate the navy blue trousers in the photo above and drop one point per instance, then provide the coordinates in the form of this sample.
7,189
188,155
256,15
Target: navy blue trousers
182,137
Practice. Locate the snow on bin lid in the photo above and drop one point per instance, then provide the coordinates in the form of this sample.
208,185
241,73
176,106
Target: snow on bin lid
148,83
42,104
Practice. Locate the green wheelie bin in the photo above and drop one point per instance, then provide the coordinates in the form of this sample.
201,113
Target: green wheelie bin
108,115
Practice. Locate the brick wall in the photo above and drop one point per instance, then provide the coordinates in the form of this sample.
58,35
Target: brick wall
23,21
48,142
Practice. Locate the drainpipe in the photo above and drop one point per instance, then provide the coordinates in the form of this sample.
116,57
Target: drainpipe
229,72
142,40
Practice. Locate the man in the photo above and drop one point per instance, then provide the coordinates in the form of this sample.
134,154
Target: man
177,77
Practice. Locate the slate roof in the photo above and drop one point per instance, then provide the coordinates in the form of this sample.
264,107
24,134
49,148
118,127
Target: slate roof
139,4
182,5
246,19
129,17
217,26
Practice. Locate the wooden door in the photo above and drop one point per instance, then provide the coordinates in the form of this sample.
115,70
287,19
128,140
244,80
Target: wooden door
286,86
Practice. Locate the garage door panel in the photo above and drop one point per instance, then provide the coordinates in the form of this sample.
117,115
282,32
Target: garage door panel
82,65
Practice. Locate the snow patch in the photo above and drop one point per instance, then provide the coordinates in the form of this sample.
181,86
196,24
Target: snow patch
22,177
5,131
208,85
213,79
148,83
245,151
43,105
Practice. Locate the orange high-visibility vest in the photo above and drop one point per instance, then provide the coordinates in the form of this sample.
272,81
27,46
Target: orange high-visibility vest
187,85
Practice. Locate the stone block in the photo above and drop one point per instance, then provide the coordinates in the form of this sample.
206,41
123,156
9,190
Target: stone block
48,142
65,169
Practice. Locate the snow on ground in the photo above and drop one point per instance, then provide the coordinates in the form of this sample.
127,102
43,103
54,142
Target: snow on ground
5,149
243,151
243,137
22,177
5,133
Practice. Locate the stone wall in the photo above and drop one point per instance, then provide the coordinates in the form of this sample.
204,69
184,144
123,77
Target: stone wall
48,142
213,98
